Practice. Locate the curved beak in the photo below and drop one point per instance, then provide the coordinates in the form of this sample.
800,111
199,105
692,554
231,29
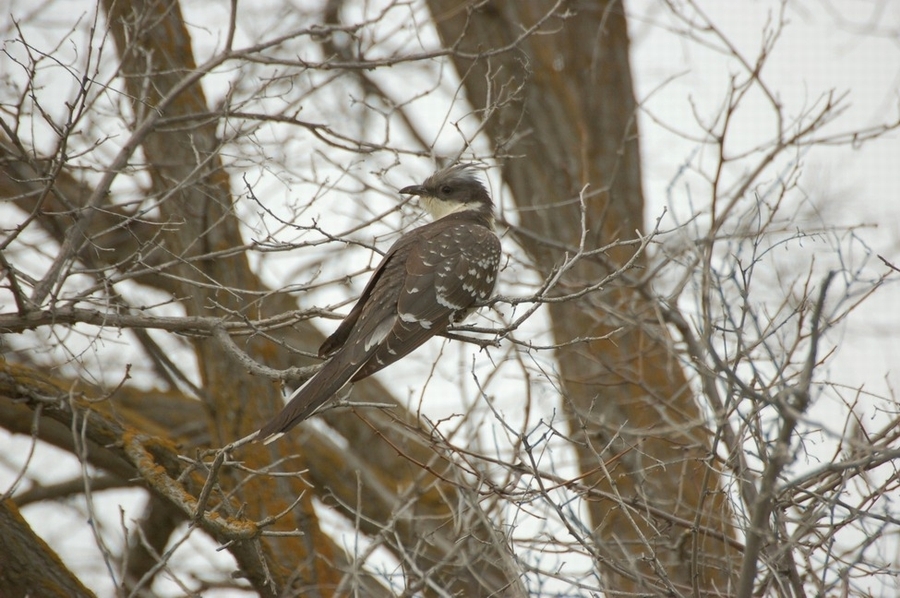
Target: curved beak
413,190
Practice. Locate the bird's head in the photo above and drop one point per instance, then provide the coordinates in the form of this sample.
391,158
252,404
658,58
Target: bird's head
451,190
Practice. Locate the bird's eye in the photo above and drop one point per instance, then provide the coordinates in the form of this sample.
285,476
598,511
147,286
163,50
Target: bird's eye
446,189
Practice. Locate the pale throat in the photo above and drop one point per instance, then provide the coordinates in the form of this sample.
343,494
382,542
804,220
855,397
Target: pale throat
438,209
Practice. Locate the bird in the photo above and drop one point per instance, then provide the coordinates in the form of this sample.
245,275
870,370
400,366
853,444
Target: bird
433,276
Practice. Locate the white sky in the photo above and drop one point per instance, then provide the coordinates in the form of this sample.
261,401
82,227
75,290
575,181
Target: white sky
853,48
814,56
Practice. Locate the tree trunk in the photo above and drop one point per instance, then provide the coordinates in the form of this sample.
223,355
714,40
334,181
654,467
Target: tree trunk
29,567
560,106
189,253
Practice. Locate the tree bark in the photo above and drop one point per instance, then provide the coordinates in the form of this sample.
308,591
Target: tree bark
197,220
29,566
560,106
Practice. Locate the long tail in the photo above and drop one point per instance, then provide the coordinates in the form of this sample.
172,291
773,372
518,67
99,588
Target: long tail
305,400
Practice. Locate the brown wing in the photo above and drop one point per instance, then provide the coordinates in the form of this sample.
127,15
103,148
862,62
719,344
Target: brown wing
339,336
450,269
473,275
356,340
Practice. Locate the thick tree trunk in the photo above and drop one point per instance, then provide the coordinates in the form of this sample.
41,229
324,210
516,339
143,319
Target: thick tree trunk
561,106
196,221
186,169
196,210
29,567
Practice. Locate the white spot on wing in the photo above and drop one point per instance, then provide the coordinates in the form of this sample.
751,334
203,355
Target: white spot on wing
447,303
410,319
379,334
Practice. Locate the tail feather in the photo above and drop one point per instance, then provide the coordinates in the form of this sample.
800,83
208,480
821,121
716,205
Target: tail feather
335,373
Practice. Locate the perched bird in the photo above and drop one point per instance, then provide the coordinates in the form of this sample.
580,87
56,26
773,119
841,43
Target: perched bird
433,276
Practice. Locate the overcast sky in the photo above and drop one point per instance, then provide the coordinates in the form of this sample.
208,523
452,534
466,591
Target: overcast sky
840,46
819,51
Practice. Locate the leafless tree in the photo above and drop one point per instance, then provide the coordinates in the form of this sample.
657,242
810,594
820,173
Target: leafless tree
190,191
